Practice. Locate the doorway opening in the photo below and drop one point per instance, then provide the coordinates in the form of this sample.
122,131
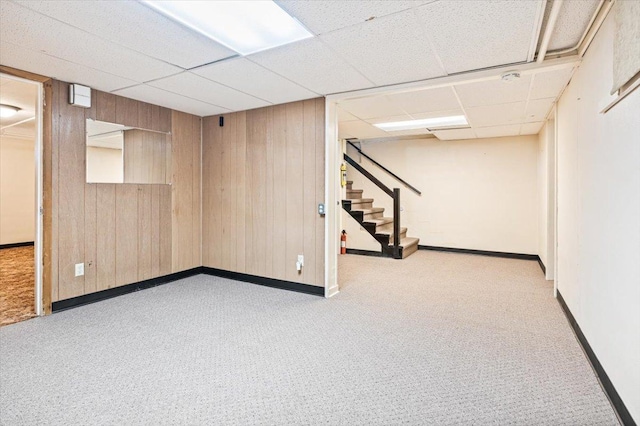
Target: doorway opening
20,199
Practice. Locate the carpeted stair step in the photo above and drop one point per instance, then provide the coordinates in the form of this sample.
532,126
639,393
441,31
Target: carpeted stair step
389,233
372,213
409,246
361,203
380,221
353,194
349,184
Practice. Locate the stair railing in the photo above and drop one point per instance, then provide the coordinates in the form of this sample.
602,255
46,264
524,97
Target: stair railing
407,184
395,194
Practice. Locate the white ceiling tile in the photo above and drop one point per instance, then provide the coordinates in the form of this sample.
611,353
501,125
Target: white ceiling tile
247,77
425,101
31,30
495,115
389,119
454,134
412,132
572,22
345,116
196,87
494,92
371,107
549,84
324,16
434,114
137,27
470,35
361,130
531,128
156,96
498,131
538,109
389,50
37,62
311,64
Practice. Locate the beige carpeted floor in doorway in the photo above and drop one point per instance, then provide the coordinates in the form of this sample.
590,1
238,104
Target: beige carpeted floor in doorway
17,285
434,339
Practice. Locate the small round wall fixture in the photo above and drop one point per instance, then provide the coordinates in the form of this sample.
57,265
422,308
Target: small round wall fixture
7,111
510,76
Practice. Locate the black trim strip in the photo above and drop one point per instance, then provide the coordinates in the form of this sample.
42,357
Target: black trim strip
268,282
614,398
544,268
86,299
365,252
14,245
482,252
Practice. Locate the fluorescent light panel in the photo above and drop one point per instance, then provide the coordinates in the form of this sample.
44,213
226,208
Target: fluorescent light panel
426,123
247,26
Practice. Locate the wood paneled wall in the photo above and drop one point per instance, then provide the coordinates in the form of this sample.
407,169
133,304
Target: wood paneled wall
123,233
263,177
147,157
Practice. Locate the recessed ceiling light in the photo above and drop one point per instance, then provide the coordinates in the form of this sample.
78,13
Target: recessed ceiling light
426,123
7,111
247,26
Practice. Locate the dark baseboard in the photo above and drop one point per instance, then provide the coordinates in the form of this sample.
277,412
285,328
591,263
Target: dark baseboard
14,245
544,268
365,252
268,282
615,399
86,299
482,252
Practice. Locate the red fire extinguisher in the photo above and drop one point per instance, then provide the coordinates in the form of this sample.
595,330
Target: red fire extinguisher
343,242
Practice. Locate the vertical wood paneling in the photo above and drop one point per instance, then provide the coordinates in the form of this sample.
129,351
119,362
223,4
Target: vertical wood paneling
71,125
145,116
126,111
105,107
126,234
294,189
90,237
144,232
165,237
186,219
155,230
320,189
268,163
240,189
106,236
196,197
309,181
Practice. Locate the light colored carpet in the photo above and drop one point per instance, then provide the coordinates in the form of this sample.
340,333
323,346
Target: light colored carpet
17,285
438,338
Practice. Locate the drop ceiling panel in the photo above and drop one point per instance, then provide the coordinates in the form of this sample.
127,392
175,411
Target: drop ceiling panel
494,92
156,96
424,101
498,131
389,119
434,114
324,16
531,128
37,62
549,84
311,64
412,132
495,115
362,130
538,109
572,22
485,34
134,26
196,87
388,50
454,134
247,77
345,116
371,107
31,30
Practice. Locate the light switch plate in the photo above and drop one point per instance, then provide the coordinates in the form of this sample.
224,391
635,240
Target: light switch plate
79,269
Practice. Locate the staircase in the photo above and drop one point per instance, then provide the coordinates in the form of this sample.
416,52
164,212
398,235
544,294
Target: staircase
380,227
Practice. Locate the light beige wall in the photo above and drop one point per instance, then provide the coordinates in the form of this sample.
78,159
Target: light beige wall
17,190
104,164
476,194
263,177
598,270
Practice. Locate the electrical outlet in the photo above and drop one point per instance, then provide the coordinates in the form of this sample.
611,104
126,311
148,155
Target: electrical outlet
301,259
79,269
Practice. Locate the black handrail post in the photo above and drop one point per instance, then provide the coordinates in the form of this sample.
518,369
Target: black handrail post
396,222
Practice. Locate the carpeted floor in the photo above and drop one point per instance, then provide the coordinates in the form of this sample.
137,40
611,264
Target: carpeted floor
17,285
438,338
